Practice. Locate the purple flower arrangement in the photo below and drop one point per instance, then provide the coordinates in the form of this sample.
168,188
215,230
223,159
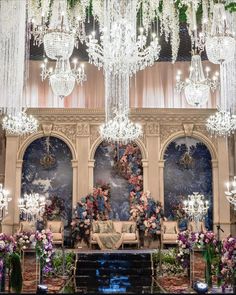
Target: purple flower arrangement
228,260
54,208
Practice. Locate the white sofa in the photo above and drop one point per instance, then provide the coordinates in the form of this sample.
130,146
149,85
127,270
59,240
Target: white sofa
127,228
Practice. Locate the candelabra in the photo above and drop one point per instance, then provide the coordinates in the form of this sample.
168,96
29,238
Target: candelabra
31,206
231,192
197,87
20,124
196,207
4,200
62,79
222,123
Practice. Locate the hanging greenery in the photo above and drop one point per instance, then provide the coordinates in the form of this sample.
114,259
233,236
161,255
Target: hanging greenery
16,274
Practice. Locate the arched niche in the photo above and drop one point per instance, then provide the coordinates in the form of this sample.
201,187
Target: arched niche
120,166
47,170
187,169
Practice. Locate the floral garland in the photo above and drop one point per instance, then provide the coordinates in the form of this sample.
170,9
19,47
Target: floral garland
95,206
54,208
228,260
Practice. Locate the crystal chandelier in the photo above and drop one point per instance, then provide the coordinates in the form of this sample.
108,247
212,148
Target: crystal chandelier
63,78
53,29
220,44
196,207
197,87
222,123
31,206
20,124
120,129
231,193
4,200
119,49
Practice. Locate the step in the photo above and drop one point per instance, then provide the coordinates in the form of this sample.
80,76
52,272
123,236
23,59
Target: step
114,256
113,271
105,263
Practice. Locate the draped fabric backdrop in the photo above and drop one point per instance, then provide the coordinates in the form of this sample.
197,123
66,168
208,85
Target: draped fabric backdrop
153,87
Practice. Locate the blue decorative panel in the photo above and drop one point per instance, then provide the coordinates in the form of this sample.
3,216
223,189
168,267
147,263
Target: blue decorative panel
184,175
47,170
120,167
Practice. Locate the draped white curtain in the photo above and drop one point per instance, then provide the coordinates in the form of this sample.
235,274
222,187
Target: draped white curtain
153,87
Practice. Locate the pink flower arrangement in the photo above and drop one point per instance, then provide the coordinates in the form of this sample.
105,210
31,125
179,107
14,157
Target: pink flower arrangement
7,244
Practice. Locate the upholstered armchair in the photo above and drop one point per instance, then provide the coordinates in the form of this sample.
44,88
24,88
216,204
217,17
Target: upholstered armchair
193,228
26,226
57,229
169,232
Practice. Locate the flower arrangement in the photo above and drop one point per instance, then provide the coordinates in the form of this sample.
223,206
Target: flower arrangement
228,260
54,208
147,213
7,244
42,241
25,240
94,206
44,249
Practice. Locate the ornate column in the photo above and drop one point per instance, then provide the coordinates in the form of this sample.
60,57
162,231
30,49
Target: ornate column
223,177
161,165
152,134
91,164
74,183
215,192
145,174
82,147
10,180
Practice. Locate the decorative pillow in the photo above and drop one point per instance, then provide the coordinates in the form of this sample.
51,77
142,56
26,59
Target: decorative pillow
55,227
126,227
133,228
105,227
27,227
96,227
170,229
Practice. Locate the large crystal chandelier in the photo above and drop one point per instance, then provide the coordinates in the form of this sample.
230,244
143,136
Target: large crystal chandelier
220,44
4,200
231,193
196,207
222,123
31,206
197,87
119,49
53,29
62,79
20,124
120,129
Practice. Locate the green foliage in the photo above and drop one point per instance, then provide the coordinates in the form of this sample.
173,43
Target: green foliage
231,7
57,263
16,274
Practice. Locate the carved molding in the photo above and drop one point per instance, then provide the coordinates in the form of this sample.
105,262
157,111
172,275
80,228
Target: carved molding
82,129
47,129
188,129
152,129
2,178
94,133
166,131
202,129
70,130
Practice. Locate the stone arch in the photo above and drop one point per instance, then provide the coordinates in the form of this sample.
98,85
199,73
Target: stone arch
99,140
39,134
196,135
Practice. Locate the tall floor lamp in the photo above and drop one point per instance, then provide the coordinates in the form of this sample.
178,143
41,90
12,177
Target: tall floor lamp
4,200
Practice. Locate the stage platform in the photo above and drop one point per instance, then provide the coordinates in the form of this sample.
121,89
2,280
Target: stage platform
115,272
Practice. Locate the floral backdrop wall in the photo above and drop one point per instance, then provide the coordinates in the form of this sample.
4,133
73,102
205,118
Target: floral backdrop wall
187,169
121,167
47,170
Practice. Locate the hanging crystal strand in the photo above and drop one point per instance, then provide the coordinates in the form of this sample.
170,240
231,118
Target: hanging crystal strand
12,44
